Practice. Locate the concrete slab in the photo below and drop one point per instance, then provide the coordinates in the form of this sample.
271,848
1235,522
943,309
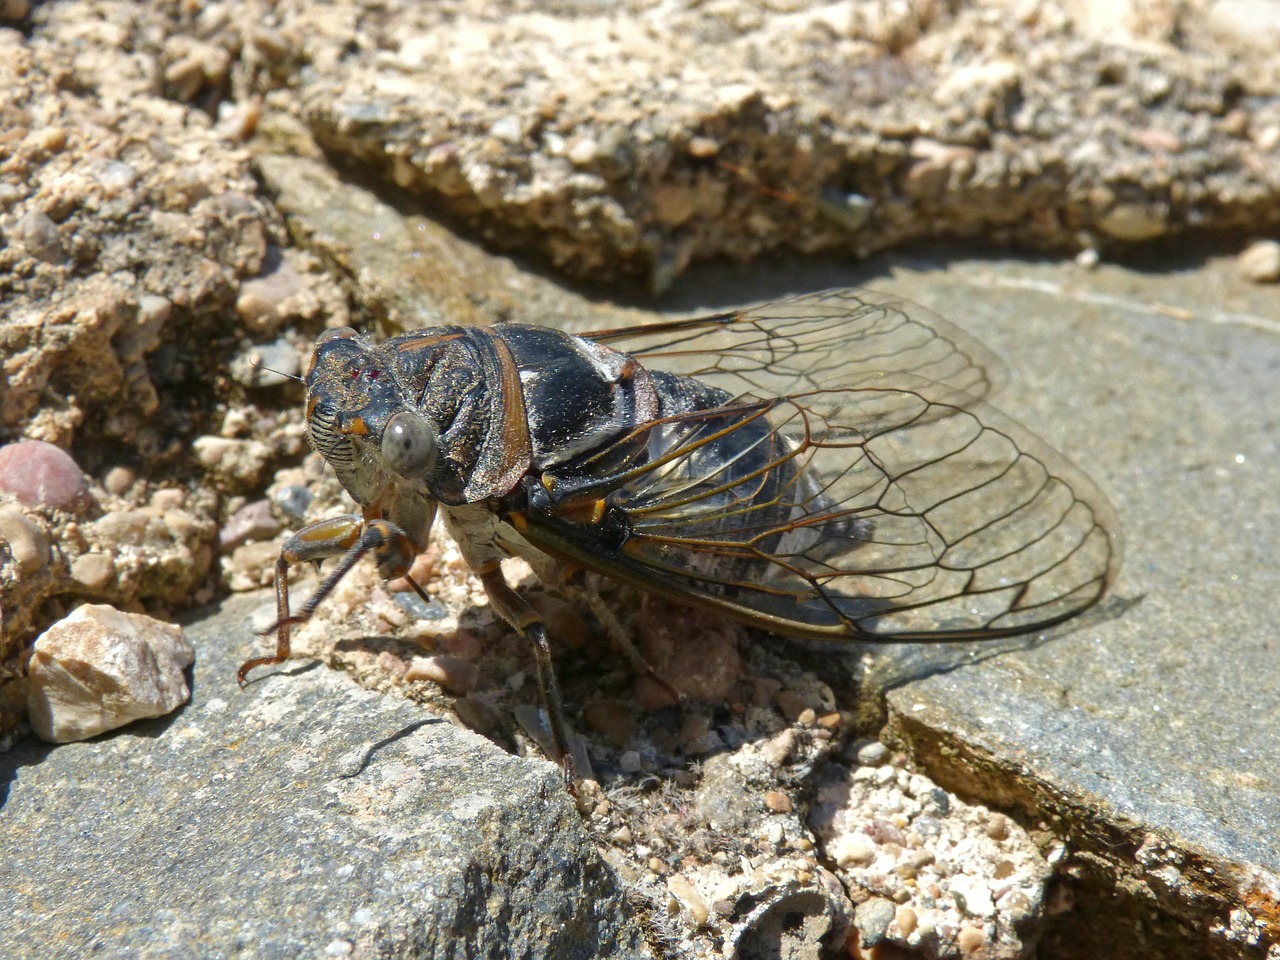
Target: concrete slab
301,817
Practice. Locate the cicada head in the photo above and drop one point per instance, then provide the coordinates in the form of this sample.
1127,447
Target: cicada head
359,421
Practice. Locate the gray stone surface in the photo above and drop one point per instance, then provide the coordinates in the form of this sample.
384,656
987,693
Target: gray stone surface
1144,734
1150,739
301,817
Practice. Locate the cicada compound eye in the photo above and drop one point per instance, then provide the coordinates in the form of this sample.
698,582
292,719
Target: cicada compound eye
409,445
336,333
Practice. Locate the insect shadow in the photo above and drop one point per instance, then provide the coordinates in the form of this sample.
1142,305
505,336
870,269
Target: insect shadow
896,666
379,745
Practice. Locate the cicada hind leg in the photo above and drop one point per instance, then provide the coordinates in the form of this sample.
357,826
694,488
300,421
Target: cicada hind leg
573,584
512,608
350,537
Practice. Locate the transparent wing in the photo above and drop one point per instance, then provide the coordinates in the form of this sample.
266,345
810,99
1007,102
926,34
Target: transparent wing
820,340
888,508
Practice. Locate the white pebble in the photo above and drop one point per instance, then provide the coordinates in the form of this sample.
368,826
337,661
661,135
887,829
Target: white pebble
101,668
1260,262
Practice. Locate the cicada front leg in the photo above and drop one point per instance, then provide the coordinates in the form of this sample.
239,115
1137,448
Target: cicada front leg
349,537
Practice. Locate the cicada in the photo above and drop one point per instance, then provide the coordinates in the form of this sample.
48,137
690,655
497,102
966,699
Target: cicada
824,466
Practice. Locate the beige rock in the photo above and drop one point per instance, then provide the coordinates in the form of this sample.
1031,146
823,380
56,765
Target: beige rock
1260,262
92,570
24,539
100,668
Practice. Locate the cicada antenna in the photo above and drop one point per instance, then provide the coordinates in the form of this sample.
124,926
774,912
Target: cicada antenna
256,364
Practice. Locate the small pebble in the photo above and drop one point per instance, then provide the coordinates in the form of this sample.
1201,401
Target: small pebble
266,365
582,150
683,890
882,832
694,651
26,540
906,920
272,44
262,304
293,500
776,801
238,121
168,498
117,177
872,754
253,521
420,609
453,673
389,663
185,77
507,129
872,918
630,762
1088,258
703,147
781,747
1260,262
1135,222
118,480
852,211
848,851
790,703
49,138
971,939
830,721
132,528
39,474
153,309
998,827
40,236
252,565
239,460
92,570
913,863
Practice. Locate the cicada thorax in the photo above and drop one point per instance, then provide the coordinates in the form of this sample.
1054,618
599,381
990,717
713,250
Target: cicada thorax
513,401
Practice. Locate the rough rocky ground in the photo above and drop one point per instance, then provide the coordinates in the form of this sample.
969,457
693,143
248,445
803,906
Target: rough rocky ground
151,249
